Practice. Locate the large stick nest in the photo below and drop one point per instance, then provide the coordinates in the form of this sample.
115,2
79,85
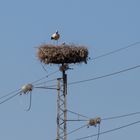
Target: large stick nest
61,54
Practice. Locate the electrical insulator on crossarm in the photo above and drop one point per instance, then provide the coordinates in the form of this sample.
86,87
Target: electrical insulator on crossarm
94,121
27,88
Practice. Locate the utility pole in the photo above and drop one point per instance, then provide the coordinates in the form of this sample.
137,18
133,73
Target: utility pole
63,55
62,105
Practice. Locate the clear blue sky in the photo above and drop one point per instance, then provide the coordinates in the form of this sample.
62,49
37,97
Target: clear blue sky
102,26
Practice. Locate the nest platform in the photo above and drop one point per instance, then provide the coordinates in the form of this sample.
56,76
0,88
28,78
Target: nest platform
62,54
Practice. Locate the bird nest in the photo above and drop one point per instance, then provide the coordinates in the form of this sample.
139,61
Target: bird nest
62,54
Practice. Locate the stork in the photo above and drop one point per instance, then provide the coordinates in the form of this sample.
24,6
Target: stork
55,36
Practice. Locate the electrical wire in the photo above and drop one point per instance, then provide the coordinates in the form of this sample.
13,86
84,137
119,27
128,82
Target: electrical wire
43,67
77,114
76,120
111,130
41,63
115,51
47,88
110,118
53,73
98,132
83,126
44,77
45,82
111,74
103,55
100,56
104,76
30,101
9,93
73,131
10,97
121,116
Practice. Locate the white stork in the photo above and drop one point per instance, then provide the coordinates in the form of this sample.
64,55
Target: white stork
55,36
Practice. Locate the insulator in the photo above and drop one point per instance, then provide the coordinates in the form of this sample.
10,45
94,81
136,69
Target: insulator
94,122
27,88
64,67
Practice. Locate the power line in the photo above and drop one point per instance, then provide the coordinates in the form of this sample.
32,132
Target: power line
73,131
111,130
121,116
43,67
103,55
109,118
10,97
45,82
46,88
77,114
104,76
53,73
98,78
97,57
98,131
77,120
9,94
44,77
100,56
30,102
115,51
16,91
